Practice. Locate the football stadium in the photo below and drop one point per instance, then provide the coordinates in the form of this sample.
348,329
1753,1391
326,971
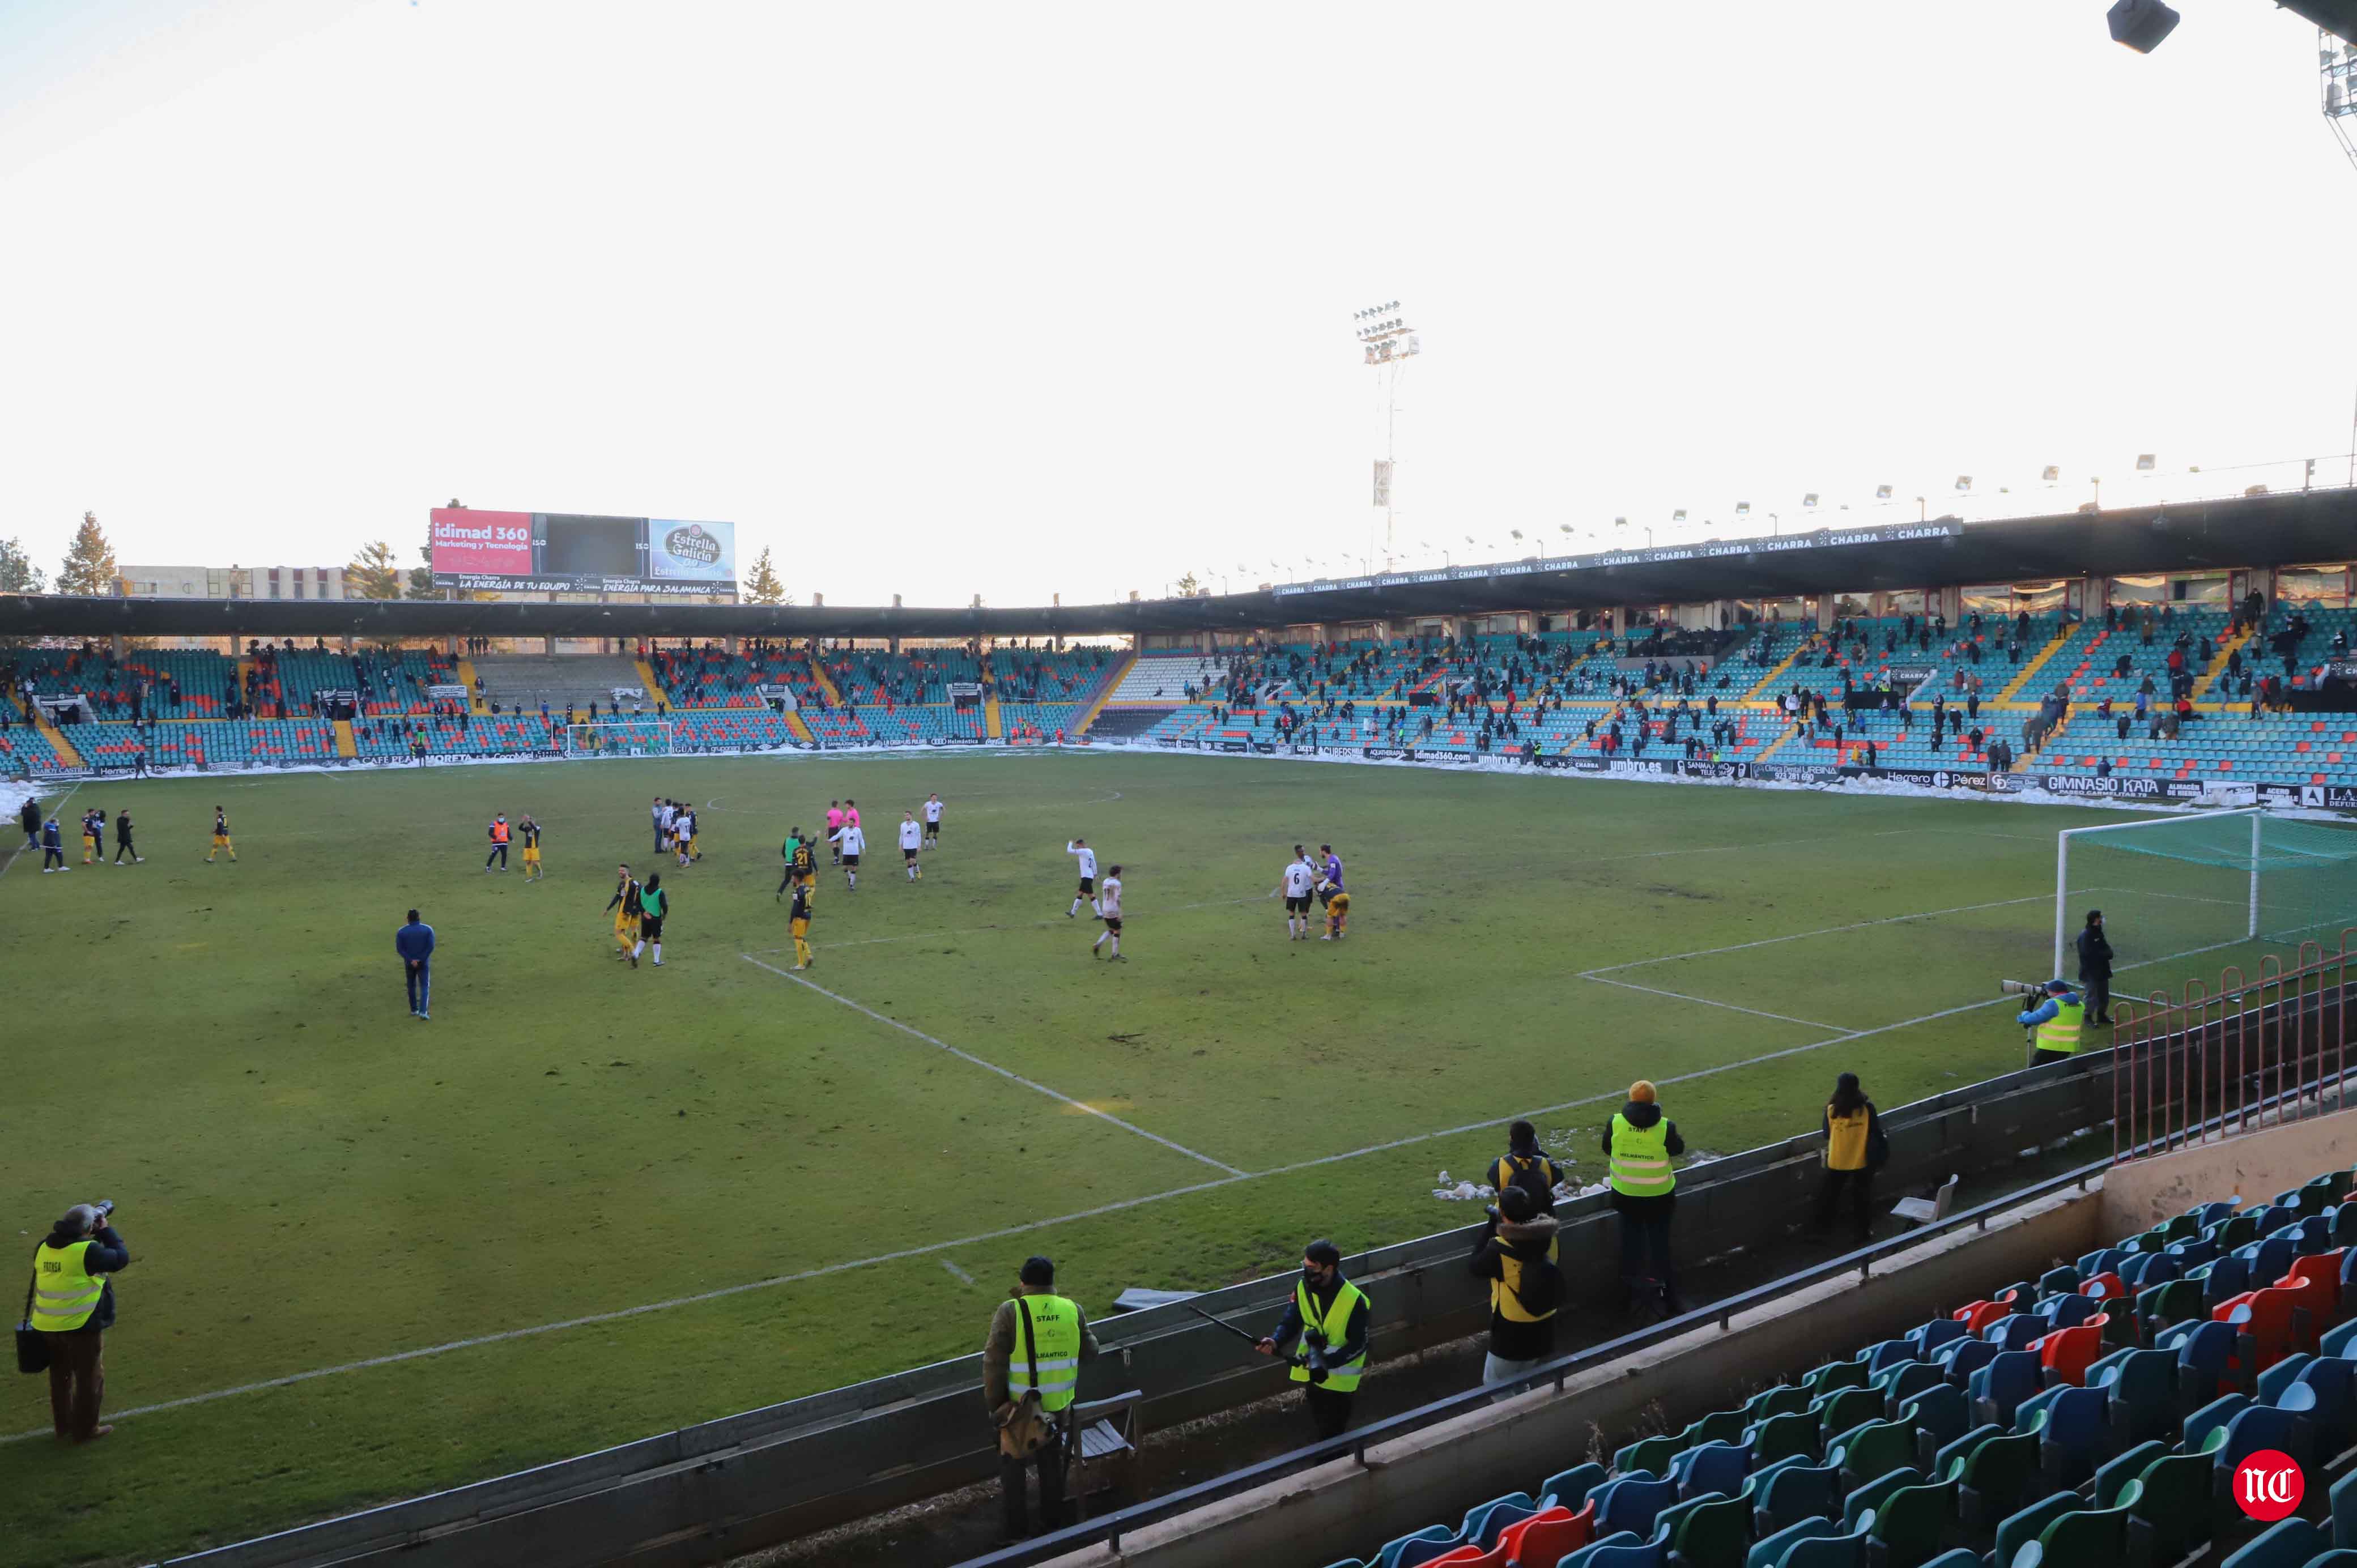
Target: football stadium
1820,1044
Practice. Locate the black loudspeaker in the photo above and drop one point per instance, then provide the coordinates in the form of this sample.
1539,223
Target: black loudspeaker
2141,23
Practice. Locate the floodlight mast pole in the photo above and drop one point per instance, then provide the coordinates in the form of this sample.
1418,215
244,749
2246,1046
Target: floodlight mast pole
1388,343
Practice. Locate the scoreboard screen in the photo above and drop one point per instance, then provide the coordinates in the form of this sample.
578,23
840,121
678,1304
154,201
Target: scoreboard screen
540,552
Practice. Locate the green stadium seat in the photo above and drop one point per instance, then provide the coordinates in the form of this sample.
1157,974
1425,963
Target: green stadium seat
2078,1539
1714,1533
1914,1524
1864,1500
2023,1526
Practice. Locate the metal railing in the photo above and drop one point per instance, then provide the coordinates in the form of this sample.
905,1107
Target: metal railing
2262,1045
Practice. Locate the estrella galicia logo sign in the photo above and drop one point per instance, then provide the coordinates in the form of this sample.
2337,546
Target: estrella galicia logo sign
2268,1485
692,543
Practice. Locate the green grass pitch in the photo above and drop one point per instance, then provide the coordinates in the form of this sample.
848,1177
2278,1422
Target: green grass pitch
313,1182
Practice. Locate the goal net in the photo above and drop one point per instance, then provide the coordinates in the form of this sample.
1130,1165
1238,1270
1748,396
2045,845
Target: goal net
2174,886
618,737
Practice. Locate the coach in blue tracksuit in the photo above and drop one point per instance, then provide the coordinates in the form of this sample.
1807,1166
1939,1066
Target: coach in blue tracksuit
414,943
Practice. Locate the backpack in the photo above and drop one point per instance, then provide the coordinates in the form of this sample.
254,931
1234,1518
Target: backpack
1878,1142
1528,1172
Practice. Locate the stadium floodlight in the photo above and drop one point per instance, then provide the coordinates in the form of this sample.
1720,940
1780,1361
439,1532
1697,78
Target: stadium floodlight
2141,25
1882,493
1679,515
1810,499
1963,483
2144,462
1743,508
2050,474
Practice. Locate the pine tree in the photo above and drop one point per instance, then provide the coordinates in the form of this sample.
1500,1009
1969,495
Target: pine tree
1186,585
17,573
762,587
421,578
371,574
89,568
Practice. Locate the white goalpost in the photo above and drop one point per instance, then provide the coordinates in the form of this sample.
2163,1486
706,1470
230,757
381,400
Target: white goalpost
2173,886
618,737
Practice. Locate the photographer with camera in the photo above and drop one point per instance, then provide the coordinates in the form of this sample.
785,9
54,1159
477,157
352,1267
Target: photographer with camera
67,1310
1030,1373
1329,1316
2054,1023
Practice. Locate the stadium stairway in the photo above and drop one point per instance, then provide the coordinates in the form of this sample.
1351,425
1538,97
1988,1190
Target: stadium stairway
2226,646
475,702
1108,682
647,678
800,730
2013,689
1782,668
347,746
826,684
57,742
994,723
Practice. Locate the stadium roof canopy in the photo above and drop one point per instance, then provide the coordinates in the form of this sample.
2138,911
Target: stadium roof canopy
2261,531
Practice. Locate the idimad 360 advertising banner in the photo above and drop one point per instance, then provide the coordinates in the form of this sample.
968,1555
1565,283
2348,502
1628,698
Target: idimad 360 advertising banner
541,551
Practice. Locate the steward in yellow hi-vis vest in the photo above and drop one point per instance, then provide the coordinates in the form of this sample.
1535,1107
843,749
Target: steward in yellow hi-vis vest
1030,1375
68,1307
1641,1142
1526,1288
1324,1334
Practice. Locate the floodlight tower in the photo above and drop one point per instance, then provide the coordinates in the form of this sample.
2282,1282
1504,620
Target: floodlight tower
1388,342
2337,74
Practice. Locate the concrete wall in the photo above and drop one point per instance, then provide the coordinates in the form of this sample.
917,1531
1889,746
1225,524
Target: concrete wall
2255,1165
1345,1509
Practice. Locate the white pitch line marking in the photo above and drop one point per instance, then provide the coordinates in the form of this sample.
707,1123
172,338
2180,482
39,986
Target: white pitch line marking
1706,1001
1826,931
957,1272
1004,1072
619,1314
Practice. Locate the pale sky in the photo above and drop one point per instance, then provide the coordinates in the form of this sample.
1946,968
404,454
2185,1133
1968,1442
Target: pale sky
939,300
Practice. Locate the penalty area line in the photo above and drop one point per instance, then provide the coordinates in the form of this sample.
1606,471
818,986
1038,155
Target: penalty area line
1007,1073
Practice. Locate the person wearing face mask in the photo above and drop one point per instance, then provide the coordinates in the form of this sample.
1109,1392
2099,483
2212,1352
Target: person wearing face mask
1329,1316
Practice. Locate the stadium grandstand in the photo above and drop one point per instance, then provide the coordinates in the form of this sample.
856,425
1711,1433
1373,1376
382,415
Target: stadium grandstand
2085,655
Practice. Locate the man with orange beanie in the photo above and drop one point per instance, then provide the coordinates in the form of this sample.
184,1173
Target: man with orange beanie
1640,1142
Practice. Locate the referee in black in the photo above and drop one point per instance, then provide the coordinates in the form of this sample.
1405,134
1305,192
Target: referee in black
2095,969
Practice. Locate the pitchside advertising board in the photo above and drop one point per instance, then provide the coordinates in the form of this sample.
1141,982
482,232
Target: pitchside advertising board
541,551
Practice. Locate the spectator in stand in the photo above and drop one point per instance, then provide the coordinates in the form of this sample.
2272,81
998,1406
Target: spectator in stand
1853,1139
1514,1253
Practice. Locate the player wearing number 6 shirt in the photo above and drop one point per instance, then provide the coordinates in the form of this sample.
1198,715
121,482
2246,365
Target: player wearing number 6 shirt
1109,910
1087,893
1295,884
